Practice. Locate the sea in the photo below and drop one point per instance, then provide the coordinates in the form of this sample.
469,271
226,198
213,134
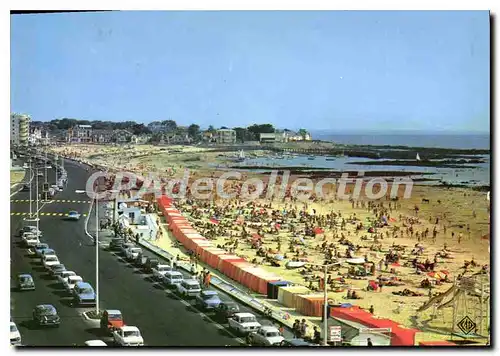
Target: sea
434,140
477,176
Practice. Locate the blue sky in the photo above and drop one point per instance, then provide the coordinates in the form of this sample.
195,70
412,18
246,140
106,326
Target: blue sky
319,70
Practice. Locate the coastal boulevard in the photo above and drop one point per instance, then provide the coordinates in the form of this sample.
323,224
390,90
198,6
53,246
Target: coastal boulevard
163,318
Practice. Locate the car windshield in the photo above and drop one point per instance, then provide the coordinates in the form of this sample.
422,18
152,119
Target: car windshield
25,279
59,267
42,247
248,319
114,317
86,290
176,277
131,333
209,297
192,286
47,311
272,334
135,249
13,328
73,213
51,258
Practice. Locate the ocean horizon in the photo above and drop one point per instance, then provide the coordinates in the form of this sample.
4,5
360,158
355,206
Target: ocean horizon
432,140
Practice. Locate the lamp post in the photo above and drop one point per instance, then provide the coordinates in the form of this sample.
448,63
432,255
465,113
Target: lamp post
325,301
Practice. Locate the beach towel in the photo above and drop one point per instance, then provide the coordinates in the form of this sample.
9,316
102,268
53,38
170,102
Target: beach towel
318,230
214,221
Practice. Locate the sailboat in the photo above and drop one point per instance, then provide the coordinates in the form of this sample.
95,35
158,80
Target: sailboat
418,157
241,156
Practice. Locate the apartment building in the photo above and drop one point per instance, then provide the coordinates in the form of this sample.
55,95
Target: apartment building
19,129
225,136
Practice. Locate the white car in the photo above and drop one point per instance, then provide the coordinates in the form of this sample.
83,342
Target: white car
49,261
64,275
266,336
160,271
15,335
132,252
172,278
32,229
98,343
244,323
30,240
70,282
128,336
189,288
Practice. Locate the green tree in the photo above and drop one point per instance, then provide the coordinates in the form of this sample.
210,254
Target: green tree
169,125
194,131
243,135
303,133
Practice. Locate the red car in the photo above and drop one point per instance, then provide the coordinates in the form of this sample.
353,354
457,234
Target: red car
111,320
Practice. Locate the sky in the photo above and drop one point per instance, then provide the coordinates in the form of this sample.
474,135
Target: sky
319,70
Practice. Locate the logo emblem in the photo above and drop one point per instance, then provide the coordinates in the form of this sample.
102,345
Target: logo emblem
466,325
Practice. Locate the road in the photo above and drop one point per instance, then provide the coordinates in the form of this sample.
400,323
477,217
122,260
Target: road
164,319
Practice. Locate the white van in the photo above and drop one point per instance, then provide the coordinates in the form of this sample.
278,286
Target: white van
172,278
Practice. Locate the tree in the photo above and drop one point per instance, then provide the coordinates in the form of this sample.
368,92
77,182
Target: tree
243,135
139,129
194,131
303,133
256,130
169,125
211,128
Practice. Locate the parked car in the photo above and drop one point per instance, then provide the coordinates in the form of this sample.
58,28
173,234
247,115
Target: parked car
39,248
25,282
227,309
124,247
266,336
47,252
111,320
132,253
189,288
208,300
150,264
128,336
296,343
140,260
172,278
95,343
15,335
83,294
73,215
116,243
70,282
160,270
49,260
30,240
30,228
46,315
244,323
56,270
64,275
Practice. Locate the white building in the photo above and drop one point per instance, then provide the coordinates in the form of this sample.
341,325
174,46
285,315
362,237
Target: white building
225,136
19,129
80,134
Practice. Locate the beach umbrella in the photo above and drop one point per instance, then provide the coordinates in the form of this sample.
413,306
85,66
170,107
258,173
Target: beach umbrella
279,257
318,230
214,221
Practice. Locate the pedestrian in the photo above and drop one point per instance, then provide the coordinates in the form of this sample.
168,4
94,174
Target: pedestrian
207,279
317,336
137,238
296,329
303,328
193,269
371,310
281,329
175,261
369,342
